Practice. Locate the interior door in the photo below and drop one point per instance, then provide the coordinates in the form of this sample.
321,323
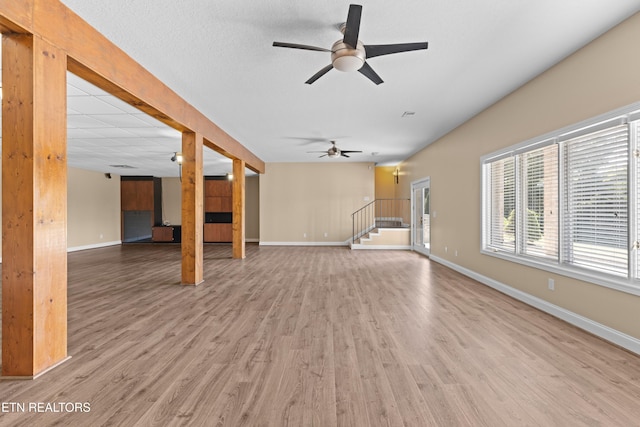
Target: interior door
421,217
418,237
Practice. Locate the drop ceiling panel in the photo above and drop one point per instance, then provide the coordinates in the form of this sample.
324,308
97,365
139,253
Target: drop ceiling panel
79,133
121,120
73,91
91,105
82,121
153,132
121,105
150,121
84,86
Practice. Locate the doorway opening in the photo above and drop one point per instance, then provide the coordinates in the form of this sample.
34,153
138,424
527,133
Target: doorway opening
420,216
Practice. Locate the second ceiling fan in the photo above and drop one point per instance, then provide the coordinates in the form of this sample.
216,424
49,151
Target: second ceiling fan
335,151
350,54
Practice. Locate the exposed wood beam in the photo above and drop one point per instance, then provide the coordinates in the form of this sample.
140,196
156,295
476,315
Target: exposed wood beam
99,61
34,206
16,16
238,208
192,209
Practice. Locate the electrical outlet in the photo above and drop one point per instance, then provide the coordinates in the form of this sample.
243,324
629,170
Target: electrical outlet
326,234
446,249
304,235
455,253
552,284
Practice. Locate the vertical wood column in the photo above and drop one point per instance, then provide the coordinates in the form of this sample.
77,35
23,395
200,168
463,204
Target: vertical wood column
238,208
192,209
34,206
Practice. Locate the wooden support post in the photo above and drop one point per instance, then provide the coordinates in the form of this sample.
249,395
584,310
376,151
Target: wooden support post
238,208
34,206
192,209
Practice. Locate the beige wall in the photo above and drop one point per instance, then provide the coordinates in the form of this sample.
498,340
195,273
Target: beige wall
312,199
172,200
603,76
386,187
93,209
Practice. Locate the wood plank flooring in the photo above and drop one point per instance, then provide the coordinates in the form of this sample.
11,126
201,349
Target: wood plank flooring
295,336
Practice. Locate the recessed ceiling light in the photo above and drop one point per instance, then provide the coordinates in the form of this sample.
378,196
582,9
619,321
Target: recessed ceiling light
408,113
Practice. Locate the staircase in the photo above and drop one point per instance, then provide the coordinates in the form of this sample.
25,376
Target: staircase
384,238
382,224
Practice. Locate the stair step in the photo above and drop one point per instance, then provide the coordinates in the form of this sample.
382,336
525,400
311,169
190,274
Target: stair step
384,223
386,238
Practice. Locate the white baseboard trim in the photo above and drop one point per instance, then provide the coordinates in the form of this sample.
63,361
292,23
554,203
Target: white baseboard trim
304,243
94,246
251,240
598,329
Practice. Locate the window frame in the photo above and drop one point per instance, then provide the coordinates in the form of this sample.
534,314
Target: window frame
624,115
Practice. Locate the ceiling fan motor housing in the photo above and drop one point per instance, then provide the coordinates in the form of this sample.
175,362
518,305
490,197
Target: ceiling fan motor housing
346,58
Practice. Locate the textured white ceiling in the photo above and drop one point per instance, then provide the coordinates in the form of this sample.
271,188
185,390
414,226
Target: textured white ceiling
218,56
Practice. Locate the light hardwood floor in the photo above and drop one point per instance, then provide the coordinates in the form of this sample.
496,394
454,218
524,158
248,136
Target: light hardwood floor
317,337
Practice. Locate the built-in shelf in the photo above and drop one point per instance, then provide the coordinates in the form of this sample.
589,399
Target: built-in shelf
218,233
141,206
218,204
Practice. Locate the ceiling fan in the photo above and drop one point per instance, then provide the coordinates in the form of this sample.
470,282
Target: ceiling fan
335,151
350,54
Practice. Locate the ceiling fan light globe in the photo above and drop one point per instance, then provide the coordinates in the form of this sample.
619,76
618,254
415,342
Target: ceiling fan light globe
345,58
348,63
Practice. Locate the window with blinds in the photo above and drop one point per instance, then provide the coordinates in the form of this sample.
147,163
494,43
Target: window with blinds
502,205
539,195
595,212
570,200
634,134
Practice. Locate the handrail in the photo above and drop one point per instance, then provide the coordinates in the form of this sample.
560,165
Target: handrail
380,212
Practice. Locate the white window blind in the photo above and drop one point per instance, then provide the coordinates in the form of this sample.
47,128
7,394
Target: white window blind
538,195
596,209
502,199
634,133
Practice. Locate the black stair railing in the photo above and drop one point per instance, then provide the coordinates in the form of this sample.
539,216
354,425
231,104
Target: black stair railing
380,213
